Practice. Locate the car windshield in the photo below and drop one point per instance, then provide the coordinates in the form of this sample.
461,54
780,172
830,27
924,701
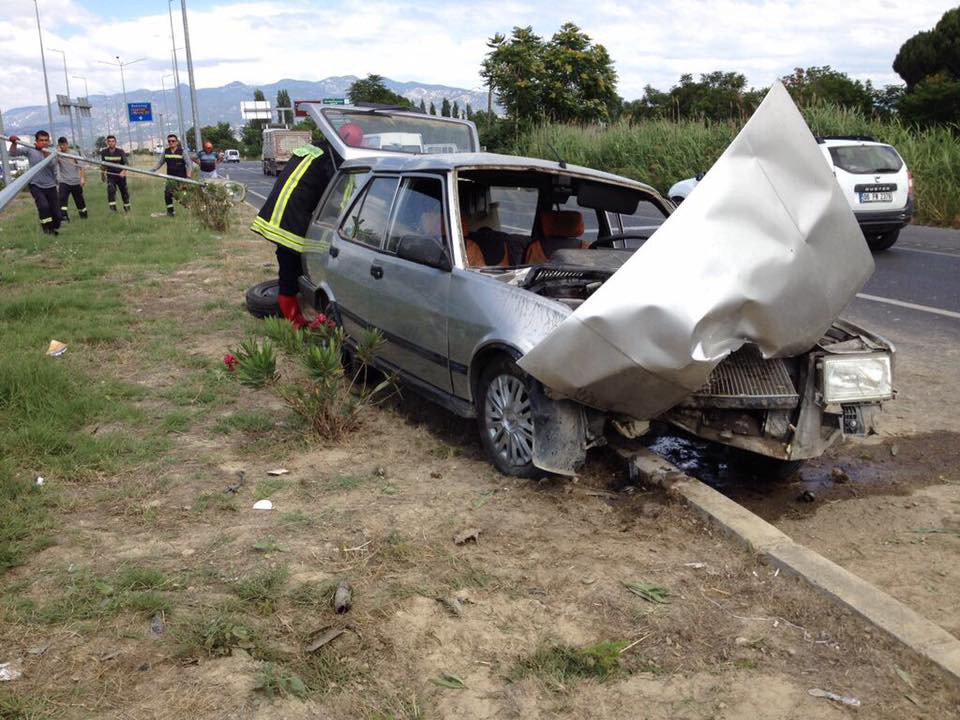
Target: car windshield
406,133
866,159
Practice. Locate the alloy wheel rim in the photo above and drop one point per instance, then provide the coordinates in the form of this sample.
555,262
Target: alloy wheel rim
509,419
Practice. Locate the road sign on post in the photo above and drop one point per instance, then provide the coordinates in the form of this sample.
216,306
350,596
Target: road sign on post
256,110
324,101
140,112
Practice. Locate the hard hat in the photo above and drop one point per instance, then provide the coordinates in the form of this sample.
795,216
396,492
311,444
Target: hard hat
351,133
208,145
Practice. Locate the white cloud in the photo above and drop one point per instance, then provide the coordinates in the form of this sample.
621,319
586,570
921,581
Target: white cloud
445,42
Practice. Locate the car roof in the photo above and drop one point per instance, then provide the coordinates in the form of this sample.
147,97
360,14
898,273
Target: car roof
846,142
444,162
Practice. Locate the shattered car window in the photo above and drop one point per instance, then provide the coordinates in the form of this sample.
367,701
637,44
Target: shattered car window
406,133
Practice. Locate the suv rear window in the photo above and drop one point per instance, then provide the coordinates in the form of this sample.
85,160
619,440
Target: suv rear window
866,159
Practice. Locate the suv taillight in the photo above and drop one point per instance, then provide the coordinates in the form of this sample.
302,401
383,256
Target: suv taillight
909,185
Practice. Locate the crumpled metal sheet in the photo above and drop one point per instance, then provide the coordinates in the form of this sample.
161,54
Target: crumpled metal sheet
766,251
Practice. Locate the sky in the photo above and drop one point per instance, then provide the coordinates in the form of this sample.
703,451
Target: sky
433,41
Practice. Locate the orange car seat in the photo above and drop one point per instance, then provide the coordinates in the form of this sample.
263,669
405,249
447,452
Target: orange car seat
561,231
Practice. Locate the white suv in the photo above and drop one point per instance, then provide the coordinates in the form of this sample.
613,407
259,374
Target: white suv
874,179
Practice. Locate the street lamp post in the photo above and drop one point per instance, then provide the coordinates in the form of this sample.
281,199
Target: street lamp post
43,61
193,84
163,84
123,86
176,72
66,80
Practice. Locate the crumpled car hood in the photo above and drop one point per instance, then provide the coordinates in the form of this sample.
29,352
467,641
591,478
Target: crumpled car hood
766,251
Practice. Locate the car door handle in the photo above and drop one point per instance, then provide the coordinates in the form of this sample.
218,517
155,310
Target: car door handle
334,251
376,271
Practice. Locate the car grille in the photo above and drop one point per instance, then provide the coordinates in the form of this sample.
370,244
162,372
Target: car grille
746,380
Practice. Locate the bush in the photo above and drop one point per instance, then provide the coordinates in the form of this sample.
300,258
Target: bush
256,364
661,152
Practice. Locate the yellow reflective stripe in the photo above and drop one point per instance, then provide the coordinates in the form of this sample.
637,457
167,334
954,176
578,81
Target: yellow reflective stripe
173,157
287,190
347,191
277,234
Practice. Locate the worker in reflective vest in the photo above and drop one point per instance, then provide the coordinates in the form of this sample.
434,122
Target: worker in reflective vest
116,179
178,165
285,218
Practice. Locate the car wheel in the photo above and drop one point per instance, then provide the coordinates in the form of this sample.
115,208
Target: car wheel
261,299
882,241
505,418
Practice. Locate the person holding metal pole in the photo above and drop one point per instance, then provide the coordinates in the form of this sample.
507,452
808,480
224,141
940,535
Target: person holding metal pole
72,179
178,165
43,187
116,179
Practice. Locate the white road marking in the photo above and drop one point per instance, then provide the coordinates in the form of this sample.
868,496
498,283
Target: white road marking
928,252
262,197
911,306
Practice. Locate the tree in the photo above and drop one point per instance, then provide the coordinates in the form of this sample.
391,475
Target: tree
445,108
433,108
221,135
514,68
469,112
456,110
252,133
579,82
823,85
283,100
423,106
372,89
716,96
929,63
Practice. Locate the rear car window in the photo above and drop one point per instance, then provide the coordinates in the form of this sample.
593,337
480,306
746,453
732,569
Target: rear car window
407,133
368,223
866,159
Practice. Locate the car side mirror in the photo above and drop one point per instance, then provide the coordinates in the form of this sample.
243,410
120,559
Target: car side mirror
424,250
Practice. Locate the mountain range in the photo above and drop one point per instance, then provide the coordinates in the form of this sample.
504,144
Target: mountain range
220,104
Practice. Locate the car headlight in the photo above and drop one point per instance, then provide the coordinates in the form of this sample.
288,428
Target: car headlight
857,378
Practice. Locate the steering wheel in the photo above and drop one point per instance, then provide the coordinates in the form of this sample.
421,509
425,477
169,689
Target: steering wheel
608,240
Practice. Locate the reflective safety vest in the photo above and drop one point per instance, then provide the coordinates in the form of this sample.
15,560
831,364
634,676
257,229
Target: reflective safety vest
117,156
285,216
176,165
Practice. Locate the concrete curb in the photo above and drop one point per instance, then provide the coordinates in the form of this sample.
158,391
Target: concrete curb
890,615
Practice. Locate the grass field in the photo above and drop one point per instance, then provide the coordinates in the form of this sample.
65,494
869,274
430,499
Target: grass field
661,152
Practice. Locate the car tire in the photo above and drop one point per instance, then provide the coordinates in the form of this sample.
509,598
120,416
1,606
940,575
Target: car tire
505,418
882,241
261,299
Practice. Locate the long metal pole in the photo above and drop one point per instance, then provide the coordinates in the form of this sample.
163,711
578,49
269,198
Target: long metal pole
176,73
4,160
166,113
126,108
66,79
43,61
193,84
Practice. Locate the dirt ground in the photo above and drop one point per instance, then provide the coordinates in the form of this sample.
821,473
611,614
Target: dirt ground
246,592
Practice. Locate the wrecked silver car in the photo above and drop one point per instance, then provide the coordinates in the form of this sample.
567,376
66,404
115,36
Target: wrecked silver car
557,304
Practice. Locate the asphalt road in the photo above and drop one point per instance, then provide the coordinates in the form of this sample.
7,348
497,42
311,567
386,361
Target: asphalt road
916,283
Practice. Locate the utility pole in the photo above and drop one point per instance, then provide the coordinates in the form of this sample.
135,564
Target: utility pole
123,85
193,84
166,113
4,160
43,61
176,72
66,79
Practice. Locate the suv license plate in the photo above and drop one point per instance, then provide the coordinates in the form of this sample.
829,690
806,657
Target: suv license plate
867,197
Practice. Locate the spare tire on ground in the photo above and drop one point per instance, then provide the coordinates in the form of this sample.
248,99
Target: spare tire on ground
262,299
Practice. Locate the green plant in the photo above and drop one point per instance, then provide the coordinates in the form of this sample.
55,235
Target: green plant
215,635
256,363
331,402
650,593
562,664
262,589
273,681
284,334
